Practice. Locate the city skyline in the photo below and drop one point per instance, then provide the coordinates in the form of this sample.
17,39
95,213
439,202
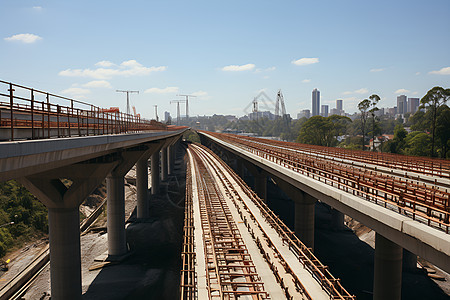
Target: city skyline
87,50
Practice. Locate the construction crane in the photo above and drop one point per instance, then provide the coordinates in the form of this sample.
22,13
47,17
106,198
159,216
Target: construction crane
156,112
128,98
178,108
135,114
187,104
280,101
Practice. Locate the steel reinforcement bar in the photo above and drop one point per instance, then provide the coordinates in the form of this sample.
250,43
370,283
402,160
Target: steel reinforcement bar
425,203
422,165
304,254
229,268
188,280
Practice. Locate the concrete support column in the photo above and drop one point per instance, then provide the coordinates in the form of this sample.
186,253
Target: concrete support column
116,216
337,220
142,187
155,172
170,159
387,282
261,185
304,219
164,166
65,256
409,261
240,167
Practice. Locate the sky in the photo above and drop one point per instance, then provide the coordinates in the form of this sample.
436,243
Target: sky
225,52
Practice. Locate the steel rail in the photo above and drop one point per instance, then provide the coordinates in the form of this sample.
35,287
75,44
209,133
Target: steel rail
421,202
188,279
305,256
422,165
230,270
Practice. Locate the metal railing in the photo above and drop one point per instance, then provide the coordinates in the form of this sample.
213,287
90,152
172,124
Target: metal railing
424,203
27,113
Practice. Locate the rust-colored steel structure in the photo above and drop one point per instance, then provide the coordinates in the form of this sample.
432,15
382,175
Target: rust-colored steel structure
427,203
45,115
229,267
216,218
188,280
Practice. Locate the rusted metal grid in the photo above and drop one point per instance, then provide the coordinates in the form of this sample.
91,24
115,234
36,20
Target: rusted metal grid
47,115
229,268
425,203
305,255
421,165
188,280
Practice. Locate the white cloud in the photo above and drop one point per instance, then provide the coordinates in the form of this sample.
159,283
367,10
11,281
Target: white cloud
98,84
200,94
306,80
443,71
377,70
26,38
236,68
167,90
415,93
105,64
401,91
265,70
305,61
37,8
126,68
417,73
75,91
360,91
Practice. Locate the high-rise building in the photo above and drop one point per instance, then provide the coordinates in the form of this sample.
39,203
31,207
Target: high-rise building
402,104
413,104
304,113
334,111
315,102
339,105
166,116
324,111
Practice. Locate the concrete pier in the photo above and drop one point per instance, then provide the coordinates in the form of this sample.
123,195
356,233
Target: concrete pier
304,218
409,261
170,159
63,204
65,255
337,220
155,172
261,185
387,282
164,164
116,216
142,187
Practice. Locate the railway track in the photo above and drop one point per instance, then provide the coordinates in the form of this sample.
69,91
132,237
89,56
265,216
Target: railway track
416,197
21,282
247,252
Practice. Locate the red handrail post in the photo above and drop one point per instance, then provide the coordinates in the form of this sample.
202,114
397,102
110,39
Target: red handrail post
48,115
32,114
11,104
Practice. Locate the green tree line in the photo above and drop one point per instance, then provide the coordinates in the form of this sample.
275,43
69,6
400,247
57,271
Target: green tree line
21,207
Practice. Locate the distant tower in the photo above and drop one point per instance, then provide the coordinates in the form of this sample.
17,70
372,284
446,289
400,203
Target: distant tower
413,104
315,102
339,104
324,112
401,105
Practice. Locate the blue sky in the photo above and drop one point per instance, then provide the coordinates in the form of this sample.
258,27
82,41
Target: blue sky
225,52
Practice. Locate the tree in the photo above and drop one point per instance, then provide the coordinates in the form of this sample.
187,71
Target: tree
434,98
322,131
363,107
374,99
417,143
